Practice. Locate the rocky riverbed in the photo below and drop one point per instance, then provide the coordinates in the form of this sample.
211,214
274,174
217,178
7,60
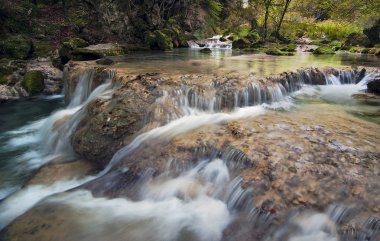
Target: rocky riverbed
287,150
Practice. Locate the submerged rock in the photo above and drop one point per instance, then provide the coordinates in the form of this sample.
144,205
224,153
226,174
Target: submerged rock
205,50
105,61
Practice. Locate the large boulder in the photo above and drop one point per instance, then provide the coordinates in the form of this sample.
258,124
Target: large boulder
241,43
159,40
33,82
357,39
373,33
9,93
16,47
374,86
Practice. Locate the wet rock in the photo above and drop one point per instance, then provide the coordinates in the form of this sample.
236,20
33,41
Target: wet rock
278,52
323,50
33,82
158,40
374,86
241,43
9,93
105,61
206,50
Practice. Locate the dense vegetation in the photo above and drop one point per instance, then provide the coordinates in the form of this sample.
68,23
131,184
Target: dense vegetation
32,28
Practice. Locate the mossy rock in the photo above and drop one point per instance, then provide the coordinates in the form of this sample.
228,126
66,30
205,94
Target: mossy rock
206,51
5,71
241,43
82,54
105,61
33,82
277,52
358,39
42,49
323,50
365,51
354,50
251,50
66,51
289,48
158,40
16,47
253,36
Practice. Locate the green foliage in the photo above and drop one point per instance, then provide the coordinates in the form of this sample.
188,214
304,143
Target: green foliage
5,71
33,82
213,7
16,47
323,50
158,40
277,52
332,30
288,48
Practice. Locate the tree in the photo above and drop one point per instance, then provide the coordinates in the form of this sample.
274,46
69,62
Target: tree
285,9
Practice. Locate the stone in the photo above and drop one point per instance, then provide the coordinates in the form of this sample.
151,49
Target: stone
277,52
33,82
105,61
241,43
205,50
374,86
16,47
323,50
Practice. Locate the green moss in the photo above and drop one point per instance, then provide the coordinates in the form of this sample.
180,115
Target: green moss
33,82
5,71
42,49
288,48
353,50
277,52
16,47
158,40
365,51
323,50
73,43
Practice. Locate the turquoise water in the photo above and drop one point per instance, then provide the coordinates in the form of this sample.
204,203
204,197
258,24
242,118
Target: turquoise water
14,117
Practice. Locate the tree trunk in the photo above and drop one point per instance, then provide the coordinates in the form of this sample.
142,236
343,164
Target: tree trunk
287,3
267,4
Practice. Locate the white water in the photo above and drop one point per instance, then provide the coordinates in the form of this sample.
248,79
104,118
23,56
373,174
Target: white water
194,205
213,43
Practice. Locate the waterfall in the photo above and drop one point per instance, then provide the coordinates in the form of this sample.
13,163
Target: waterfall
195,202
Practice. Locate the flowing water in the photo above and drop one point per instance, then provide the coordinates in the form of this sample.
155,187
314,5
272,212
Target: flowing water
191,202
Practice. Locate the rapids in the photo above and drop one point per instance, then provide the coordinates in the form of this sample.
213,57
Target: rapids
203,201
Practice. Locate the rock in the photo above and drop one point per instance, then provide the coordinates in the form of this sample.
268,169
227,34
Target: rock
205,50
9,93
374,86
158,40
241,43
373,33
65,52
16,47
33,82
357,39
105,61
288,48
5,72
52,76
323,50
277,52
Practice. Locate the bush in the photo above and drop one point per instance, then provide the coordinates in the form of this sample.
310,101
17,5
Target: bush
323,50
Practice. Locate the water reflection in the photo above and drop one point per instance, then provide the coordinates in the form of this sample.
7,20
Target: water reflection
182,61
